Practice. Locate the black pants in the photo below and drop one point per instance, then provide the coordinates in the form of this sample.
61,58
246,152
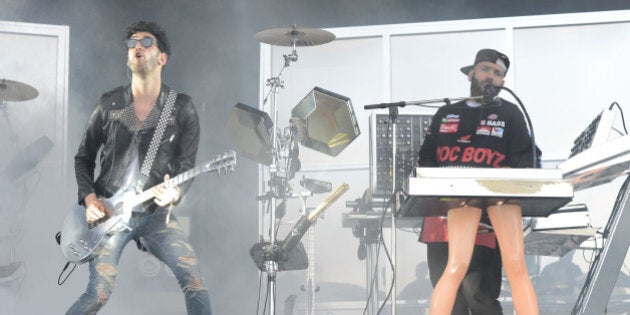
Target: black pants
481,286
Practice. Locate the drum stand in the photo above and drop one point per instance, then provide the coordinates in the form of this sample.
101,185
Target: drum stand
269,256
13,273
14,91
13,137
278,188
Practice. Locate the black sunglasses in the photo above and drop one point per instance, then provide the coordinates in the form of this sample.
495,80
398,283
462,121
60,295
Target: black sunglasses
145,42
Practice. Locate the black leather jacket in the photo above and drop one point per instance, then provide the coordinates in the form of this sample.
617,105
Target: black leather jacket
109,129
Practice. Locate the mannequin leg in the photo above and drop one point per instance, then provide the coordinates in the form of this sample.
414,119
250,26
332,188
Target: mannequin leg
462,230
437,257
508,226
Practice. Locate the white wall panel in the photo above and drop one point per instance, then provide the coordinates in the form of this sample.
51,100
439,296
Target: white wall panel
33,205
565,68
426,66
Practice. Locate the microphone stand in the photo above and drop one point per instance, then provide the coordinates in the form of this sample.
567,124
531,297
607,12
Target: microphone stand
421,103
393,114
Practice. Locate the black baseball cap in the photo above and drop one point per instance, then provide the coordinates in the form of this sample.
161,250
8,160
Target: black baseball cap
489,55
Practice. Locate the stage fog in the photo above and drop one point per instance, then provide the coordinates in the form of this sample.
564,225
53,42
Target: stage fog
59,56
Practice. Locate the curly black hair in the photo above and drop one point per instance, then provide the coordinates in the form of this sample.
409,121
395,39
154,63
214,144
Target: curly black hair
153,28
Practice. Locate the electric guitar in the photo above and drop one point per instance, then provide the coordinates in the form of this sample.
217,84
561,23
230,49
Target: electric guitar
80,239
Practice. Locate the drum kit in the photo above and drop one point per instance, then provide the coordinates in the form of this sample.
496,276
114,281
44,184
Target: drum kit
294,37
323,120
12,274
278,149
14,91
23,160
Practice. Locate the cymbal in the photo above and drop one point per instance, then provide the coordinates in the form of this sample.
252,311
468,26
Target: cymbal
298,36
14,91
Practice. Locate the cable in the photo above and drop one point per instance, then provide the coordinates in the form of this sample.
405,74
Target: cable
623,119
381,241
378,250
529,123
59,281
389,259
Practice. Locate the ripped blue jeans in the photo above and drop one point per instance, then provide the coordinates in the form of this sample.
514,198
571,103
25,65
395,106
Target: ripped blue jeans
166,242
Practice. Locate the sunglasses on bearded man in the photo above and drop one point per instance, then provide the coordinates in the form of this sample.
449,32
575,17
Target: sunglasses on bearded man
145,42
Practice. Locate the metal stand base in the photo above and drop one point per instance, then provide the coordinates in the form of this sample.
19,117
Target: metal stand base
604,272
264,253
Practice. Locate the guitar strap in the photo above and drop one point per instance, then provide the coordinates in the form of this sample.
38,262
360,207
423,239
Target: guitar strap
159,132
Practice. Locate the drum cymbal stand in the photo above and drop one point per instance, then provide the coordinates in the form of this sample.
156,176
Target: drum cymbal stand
13,137
14,91
281,170
284,150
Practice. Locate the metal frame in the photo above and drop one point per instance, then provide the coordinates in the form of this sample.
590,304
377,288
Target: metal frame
62,33
602,275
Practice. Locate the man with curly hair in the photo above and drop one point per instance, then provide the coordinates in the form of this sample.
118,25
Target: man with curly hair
121,127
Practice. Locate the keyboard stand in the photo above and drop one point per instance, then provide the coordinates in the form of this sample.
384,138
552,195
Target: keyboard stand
604,271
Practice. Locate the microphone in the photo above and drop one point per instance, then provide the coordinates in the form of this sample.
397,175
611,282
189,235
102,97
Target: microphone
490,92
386,105
316,186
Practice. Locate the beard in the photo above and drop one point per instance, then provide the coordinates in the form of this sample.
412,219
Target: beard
477,88
144,66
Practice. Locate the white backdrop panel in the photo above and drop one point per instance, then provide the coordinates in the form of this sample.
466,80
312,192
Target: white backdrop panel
565,68
566,75
426,66
34,203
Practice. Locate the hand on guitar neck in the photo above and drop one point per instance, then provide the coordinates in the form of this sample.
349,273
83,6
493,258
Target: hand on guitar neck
96,209
164,194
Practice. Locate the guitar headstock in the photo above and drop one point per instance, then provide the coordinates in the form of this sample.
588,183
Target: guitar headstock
223,163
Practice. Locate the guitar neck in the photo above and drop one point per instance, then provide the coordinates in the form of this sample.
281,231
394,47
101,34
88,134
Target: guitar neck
181,178
225,162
